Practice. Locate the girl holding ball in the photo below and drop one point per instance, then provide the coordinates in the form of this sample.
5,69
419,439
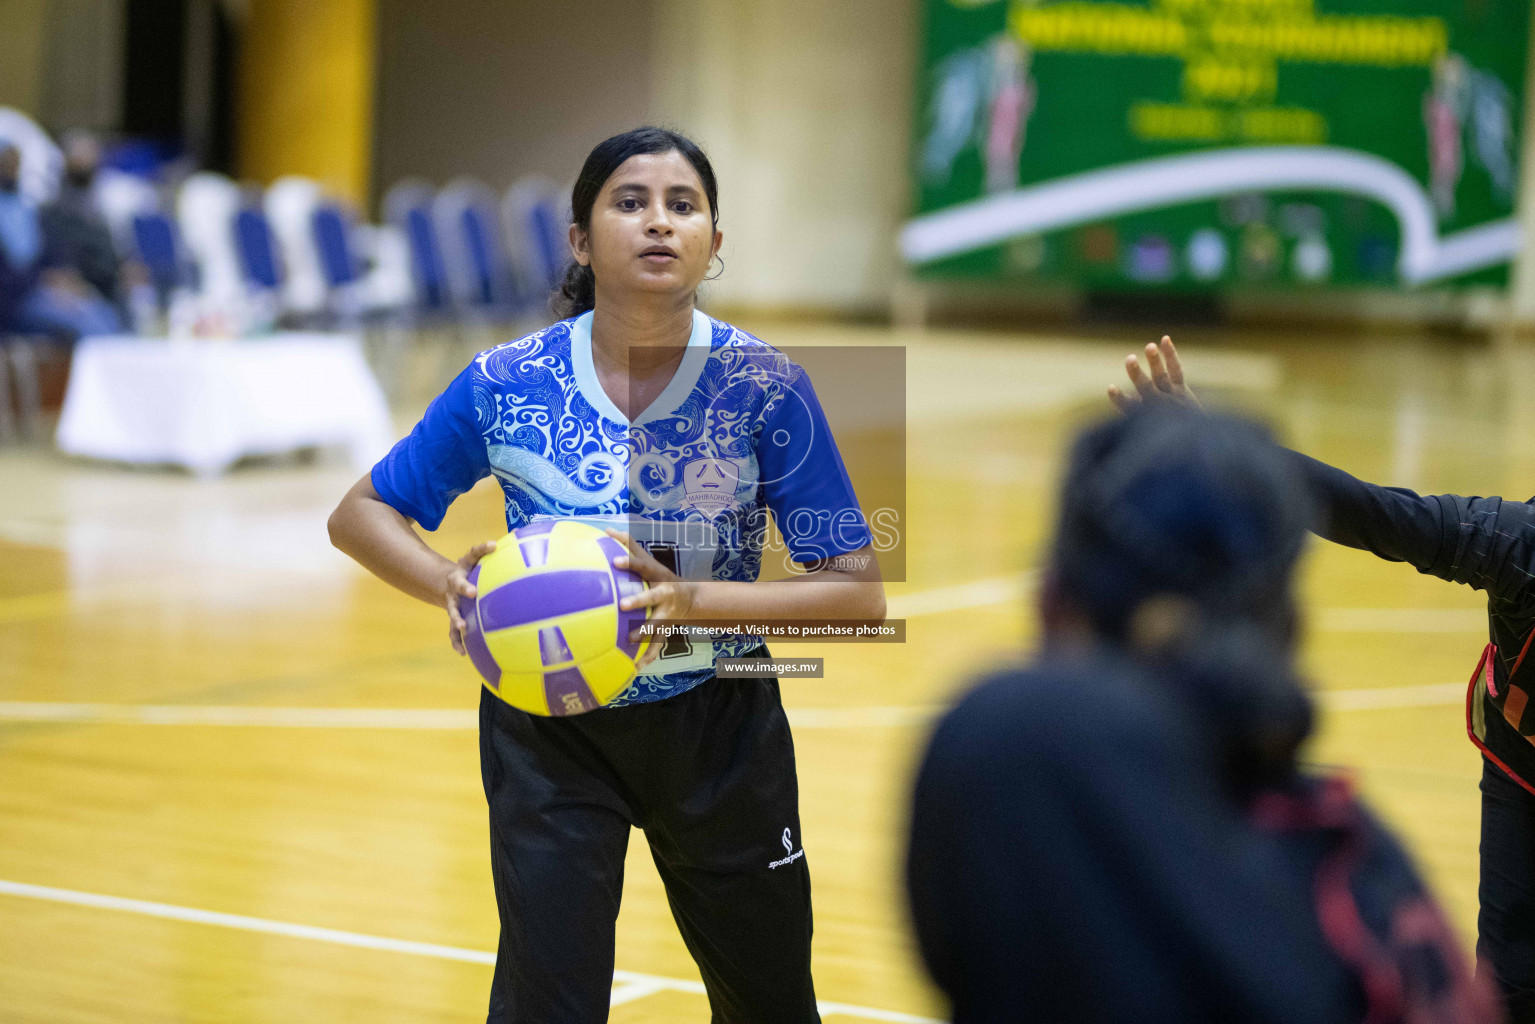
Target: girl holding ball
679,434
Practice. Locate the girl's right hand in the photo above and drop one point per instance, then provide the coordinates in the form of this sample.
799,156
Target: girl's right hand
456,586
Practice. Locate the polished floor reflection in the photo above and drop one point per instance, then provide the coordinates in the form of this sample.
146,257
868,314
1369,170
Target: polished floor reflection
206,711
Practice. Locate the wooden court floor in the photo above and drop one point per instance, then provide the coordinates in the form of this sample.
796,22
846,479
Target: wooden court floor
239,780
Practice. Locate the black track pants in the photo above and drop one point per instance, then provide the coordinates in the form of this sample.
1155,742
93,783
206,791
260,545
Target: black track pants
1506,925
709,775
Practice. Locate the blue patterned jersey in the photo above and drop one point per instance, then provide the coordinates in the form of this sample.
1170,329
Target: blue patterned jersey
738,433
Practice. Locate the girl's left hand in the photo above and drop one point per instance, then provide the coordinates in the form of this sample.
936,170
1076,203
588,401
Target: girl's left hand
1164,387
668,597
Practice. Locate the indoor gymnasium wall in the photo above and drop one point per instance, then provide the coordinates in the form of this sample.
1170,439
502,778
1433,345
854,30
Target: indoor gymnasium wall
83,69
804,106
22,40
498,89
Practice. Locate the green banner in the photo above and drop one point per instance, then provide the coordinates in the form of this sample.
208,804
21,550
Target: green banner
1197,145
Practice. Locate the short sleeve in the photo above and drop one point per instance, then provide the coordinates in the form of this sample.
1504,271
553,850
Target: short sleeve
806,484
441,458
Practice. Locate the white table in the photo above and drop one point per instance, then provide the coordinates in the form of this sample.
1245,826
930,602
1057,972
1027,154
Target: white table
205,403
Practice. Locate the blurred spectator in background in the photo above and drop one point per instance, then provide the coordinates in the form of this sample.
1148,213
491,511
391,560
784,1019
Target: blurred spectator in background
73,226
40,292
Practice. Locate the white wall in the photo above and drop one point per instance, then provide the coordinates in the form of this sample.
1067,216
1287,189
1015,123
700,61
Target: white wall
803,107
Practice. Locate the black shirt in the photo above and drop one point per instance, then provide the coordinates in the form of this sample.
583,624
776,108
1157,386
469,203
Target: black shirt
1076,857
1486,543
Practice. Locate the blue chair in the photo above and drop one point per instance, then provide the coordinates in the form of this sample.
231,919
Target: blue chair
484,256
426,258
408,206
258,249
206,208
534,219
433,318
332,238
385,325
340,267
549,241
478,277
159,248
363,268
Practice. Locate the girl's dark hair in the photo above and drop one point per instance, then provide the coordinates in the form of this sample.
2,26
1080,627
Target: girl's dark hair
1178,539
578,291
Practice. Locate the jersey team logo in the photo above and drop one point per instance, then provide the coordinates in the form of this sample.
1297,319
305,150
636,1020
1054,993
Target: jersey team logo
709,486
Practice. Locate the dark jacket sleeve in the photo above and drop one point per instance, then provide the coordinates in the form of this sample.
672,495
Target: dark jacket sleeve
1486,543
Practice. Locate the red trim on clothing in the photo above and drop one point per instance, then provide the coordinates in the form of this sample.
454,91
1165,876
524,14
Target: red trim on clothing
1332,806
1395,991
1338,914
1487,654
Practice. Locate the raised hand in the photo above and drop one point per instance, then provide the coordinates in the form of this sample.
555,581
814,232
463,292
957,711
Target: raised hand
668,597
1163,387
456,586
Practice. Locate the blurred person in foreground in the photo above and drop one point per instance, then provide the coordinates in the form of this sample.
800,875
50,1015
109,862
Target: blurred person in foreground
39,292
1120,831
1485,543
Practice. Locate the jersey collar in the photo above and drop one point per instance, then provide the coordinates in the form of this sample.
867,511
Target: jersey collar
684,379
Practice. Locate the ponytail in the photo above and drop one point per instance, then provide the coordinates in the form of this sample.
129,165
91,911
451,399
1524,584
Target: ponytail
1237,676
577,293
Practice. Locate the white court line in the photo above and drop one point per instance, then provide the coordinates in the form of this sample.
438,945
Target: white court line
960,596
1398,620
243,715
935,601
628,985
872,717
975,594
1374,698
379,718
629,991
1008,589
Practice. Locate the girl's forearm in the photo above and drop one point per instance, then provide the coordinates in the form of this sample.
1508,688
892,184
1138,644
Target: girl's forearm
382,541
815,596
